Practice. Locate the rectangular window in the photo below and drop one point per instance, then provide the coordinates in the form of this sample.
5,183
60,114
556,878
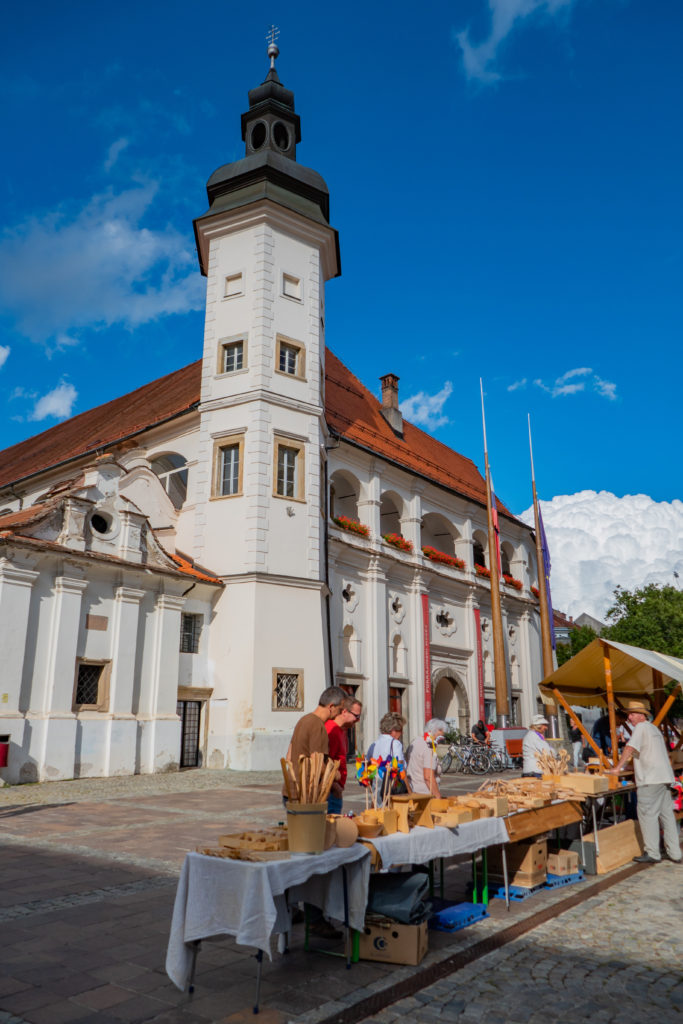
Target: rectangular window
286,471
190,632
288,689
91,691
229,469
233,356
291,286
233,285
288,359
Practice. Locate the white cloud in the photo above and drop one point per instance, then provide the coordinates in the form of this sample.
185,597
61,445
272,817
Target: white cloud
4,354
96,267
479,59
56,404
517,384
426,410
568,384
599,541
114,152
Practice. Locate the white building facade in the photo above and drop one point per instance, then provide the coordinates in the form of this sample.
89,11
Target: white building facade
181,573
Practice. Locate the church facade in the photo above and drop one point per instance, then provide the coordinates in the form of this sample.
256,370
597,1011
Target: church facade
184,569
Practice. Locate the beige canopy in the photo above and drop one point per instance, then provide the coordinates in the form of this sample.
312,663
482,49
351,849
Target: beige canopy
581,680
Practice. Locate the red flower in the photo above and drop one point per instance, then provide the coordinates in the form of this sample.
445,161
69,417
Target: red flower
481,570
397,541
442,558
510,581
352,525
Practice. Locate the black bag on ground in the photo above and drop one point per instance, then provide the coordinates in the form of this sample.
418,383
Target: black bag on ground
402,897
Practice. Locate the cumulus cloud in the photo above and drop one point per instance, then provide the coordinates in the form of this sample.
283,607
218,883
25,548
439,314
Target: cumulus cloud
574,381
426,410
479,58
599,541
56,404
94,267
4,354
516,385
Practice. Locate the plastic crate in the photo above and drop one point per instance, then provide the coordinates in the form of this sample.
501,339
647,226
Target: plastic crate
557,881
454,916
518,892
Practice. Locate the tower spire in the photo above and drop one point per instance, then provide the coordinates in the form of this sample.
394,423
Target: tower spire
273,49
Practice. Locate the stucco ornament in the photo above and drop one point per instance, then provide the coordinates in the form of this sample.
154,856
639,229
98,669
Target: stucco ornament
350,597
444,622
396,608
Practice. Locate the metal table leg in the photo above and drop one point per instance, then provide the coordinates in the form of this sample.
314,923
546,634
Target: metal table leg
196,946
259,965
475,885
505,877
347,948
595,829
484,877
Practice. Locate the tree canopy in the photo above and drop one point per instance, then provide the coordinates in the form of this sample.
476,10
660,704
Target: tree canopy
578,639
649,617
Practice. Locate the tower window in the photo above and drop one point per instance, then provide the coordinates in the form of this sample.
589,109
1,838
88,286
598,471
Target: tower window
288,359
280,135
288,469
233,356
228,462
233,285
258,135
291,286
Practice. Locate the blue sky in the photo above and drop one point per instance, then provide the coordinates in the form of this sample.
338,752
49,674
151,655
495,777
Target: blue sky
505,178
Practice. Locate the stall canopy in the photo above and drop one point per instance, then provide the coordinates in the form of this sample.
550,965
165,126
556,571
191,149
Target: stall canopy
581,680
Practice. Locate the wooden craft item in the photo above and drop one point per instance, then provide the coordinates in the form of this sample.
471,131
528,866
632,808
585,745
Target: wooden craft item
346,832
618,845
230,853
498,804
389,821
452,817
534,822
402,819
439,804
584,783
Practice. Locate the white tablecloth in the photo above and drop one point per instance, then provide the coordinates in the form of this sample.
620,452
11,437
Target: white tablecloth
216,896
424,844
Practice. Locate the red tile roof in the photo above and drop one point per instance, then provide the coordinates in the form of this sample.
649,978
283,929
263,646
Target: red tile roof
98,428
352,411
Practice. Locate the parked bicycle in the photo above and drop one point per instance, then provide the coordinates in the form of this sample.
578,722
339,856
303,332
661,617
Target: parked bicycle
474,759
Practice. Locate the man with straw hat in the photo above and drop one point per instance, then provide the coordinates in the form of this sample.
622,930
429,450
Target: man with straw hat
534,743
654,778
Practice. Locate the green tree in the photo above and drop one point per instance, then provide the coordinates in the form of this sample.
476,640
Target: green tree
649,617
578,639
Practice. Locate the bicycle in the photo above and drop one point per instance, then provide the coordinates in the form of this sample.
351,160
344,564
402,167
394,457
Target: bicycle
467,759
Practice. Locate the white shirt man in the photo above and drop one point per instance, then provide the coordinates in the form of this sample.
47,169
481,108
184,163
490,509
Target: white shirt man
654,778
535,743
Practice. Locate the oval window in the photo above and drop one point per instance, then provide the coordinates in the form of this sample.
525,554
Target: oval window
258,135
280,135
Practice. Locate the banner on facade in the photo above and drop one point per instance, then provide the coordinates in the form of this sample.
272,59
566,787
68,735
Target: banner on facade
480,665
427,658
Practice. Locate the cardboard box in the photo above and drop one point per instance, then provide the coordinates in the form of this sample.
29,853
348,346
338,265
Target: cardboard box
393,943
526,863
563,862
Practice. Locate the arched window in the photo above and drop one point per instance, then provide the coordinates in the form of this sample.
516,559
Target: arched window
438,533
398,656
479,549
172,471
344,491
390,511
348,648
506,553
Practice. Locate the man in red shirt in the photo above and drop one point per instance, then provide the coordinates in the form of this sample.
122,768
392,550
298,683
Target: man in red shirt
337,729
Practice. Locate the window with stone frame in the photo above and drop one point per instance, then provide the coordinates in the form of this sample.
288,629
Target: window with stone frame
288,469
91,688
228,466
290,358
232,356
190,632
288,689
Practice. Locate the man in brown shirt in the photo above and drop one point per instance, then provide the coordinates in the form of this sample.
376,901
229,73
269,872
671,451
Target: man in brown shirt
310,736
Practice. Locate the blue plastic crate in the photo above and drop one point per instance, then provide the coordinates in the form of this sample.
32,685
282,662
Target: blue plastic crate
452,917
517,892
557,881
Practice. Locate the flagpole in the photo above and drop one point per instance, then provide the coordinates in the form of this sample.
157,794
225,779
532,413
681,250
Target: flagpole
499,666
544,603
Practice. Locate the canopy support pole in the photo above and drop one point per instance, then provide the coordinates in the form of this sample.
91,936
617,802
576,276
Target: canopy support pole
580,726
661,714
611,707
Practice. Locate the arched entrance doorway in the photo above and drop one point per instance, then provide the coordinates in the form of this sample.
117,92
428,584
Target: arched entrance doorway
449,699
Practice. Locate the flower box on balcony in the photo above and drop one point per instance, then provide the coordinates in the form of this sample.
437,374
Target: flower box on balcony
352,525
510,581
442,558
481,570
397,541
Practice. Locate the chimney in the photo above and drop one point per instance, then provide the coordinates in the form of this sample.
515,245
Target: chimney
390,409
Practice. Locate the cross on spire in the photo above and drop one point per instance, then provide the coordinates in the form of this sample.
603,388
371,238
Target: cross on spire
273,50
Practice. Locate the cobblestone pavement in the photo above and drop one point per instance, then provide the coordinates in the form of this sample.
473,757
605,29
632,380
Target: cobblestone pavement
88,871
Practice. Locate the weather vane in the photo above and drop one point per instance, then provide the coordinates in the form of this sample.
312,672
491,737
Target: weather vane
273,50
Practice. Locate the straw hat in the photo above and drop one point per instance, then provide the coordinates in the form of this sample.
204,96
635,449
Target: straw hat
639,706
539,720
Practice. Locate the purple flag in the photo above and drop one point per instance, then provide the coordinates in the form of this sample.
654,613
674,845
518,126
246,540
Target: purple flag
545,551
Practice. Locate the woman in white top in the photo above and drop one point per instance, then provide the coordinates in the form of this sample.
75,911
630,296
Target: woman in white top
388,745
535,743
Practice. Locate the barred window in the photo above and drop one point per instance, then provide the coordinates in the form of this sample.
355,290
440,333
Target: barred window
91,688
190,631
287,690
